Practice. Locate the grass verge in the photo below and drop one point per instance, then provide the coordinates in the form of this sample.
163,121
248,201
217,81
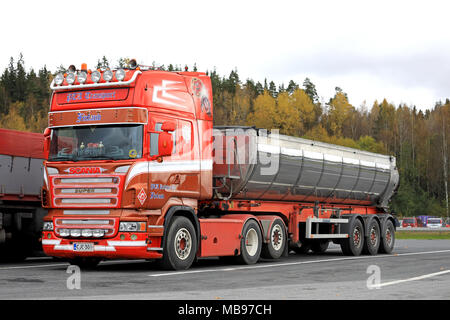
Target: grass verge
425,235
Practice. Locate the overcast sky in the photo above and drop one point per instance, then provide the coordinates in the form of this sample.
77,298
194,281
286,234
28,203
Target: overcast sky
398,50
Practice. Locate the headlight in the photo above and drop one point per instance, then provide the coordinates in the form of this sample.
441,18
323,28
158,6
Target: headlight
95,76
132,226
120,74
86,233
82,76
75,232
107,75
59,79
64,232
48,226
70,78
98,233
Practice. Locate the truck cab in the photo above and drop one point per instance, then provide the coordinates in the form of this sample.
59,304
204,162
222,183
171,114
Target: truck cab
123,147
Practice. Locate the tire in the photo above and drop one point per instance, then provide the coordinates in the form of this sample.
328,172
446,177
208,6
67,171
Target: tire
275,247
251,243
387,238
85,263
353,245
180,247
320,246
373,239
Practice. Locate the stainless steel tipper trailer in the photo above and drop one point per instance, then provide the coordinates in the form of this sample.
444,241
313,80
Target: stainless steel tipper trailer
252,164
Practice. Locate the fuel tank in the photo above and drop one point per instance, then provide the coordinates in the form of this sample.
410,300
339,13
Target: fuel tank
253,164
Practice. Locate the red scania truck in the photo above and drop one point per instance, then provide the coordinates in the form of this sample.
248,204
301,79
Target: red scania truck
136,170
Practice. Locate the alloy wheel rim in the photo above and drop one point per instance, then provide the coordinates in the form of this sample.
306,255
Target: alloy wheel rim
183,243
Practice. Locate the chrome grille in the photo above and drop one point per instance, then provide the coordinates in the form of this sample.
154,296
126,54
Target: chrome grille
86,191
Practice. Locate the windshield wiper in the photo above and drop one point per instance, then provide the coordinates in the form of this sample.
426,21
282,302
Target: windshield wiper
63,158
99,157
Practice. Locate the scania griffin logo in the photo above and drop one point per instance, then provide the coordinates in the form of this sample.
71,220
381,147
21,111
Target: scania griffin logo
83,170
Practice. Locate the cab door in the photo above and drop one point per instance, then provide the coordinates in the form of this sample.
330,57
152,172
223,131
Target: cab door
176,175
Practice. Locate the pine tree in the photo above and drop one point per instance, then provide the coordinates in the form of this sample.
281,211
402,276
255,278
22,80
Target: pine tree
310,90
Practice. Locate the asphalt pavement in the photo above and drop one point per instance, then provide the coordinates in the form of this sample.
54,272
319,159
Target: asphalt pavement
417,269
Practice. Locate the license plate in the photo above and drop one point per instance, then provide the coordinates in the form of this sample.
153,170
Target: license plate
83,247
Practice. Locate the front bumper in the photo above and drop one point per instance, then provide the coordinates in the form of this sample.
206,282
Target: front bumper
119,247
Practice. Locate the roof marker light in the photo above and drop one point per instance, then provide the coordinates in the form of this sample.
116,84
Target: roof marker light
70,78
132,64
95,76
82,76
59,79
120,74
72,69
107,75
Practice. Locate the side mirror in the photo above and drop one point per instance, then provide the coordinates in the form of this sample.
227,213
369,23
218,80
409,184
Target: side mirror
165,144
168,126
47,133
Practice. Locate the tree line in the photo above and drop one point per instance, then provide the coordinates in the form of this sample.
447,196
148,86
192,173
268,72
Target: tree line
418,139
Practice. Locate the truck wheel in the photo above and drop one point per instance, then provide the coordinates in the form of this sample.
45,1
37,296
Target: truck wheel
387,238
180,246
353,245
275,247
373,239
85,263
251,243
320,246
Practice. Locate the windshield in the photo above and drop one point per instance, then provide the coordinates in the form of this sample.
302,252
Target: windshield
410,220
115,142
434,221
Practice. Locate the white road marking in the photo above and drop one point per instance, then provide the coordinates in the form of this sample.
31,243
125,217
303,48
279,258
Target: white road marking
111,262
274,265
29,267
425,276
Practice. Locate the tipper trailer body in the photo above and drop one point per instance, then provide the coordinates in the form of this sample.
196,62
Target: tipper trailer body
21,172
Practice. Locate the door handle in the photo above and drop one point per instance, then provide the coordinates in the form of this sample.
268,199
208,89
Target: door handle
176,179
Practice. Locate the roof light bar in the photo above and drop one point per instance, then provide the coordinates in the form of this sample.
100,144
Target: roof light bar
58,82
